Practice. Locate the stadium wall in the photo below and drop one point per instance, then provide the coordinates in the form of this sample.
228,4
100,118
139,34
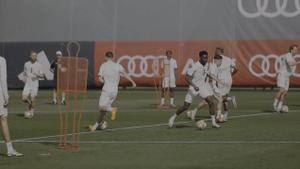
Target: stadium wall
254,34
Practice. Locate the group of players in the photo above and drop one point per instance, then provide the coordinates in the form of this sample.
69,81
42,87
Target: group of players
210,81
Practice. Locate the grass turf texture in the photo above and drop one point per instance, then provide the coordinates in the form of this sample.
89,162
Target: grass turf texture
260,141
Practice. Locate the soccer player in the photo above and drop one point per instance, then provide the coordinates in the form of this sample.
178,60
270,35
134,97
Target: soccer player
54,66
287,67
169,67
225,68
109,74
32,73
197,77
3,109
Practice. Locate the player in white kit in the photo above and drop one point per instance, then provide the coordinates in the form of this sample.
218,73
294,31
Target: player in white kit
169,67
109,74
224,69
4,98
198,79
32,74
287,67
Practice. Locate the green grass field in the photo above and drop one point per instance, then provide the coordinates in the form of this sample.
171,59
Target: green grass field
253,139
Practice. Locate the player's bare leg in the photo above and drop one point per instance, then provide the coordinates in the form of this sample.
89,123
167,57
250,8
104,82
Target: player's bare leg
172,94
225,107
180,110
54,99
30,103
101,123
212,104
5,132
162,100
278,101
201,105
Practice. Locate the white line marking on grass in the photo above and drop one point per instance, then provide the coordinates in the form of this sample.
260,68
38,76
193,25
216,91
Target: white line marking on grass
167,142
136,127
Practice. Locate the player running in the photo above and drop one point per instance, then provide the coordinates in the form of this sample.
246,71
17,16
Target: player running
109,74
225,68
32,73
287,67
169,67
3,109
197,77
54,66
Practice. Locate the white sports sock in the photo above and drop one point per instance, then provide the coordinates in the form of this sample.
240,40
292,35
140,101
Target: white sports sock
63,96
9,147
172,100
275,102
213,119
96,125
279,106
162,101
229,98
54,96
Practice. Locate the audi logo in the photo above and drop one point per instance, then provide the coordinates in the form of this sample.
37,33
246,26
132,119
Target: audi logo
265,65
262,6
141,66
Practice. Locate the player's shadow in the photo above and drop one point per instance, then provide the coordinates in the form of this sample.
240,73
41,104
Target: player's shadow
20,115
179,126
268,111
3,155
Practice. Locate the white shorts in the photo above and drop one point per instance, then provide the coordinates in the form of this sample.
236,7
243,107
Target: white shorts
3,110
30,89
283,81
107,99
168,82
203,92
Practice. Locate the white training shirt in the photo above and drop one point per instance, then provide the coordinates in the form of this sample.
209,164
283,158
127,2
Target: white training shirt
285,68
32,71
199,73
3,79
169,66
111,73
225,69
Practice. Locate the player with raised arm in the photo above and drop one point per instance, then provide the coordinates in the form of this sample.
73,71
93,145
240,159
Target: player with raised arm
168,67
4,98
198,77
287,67
54,66
109,74
32,74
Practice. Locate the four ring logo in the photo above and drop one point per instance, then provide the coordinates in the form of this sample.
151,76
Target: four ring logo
141,66
265,65
262,9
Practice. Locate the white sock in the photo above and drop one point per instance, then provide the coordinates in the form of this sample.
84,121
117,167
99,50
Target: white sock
63,97
172,100
162,101
54,96
279,105
9,147
229,98
213,119
196,109
96,125
275,102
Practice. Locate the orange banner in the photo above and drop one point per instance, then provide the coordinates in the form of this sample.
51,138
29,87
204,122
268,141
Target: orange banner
257,61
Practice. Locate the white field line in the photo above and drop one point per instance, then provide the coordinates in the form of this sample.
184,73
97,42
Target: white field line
170,142
135,127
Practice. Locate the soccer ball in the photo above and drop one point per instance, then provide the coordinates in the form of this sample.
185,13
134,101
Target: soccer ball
285,109
28,114
189,113
220,118
201,124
